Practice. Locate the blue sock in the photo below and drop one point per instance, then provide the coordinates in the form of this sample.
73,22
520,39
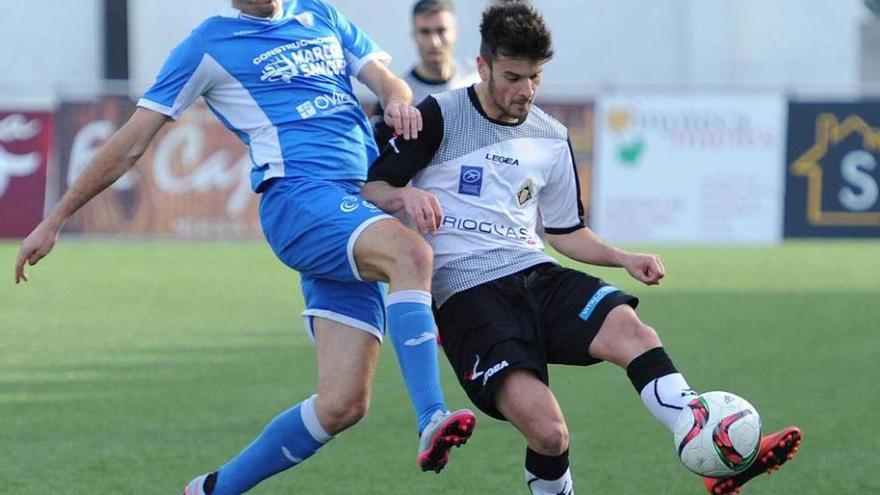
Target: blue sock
413,333
290,438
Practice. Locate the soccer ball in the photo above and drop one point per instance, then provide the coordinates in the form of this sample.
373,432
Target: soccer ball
718,434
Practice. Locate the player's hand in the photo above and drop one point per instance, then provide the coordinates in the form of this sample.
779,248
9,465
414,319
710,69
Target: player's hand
35,247
646,268
423,207
405,119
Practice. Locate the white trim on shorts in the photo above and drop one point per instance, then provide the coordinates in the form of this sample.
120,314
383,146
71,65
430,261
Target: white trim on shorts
338,318
352,239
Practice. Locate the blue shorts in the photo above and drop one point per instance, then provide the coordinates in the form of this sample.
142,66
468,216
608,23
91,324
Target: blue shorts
312,225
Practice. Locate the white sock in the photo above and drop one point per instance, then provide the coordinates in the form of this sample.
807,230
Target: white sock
665,397
561,486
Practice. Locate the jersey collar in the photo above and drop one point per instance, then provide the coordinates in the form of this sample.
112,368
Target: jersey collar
287,11
475,101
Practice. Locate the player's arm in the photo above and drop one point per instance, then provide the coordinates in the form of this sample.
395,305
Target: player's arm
395,97
585,246
117,156
368,62
398,163
563,218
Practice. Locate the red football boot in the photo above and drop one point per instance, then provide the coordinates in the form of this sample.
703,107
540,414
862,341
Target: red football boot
446,430
775,450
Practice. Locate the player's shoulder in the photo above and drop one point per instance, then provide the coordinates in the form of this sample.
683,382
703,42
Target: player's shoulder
220,22
452,99
318,7
548,123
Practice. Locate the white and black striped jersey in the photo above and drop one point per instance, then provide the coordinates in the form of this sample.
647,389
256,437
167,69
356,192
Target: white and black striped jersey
492,178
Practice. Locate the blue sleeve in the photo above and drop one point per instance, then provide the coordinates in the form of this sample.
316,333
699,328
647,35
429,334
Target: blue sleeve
358,47
184,77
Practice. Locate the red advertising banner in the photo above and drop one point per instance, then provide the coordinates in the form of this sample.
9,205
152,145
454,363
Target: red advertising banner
25,143
193,182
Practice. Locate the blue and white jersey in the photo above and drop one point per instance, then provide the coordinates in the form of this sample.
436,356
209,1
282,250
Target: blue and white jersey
282,85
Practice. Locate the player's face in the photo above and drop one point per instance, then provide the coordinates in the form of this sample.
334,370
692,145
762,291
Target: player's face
435,36
258,8
511,84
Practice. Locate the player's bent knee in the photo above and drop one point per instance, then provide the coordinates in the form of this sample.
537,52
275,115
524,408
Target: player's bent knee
549,438
646,337
623,337
340,414
415,256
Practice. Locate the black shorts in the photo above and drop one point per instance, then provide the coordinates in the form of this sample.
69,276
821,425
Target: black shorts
543,315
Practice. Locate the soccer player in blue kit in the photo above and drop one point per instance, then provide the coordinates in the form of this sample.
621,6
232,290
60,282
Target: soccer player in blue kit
277,74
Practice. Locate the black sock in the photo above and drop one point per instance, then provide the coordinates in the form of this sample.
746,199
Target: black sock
546,467
663,390
210,481
649,366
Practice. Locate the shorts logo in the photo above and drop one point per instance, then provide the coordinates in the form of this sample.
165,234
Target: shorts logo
349,204
596,299
525,193
493,370
474,374
471,181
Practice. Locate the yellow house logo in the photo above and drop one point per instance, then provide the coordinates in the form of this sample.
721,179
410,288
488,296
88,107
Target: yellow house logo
856,168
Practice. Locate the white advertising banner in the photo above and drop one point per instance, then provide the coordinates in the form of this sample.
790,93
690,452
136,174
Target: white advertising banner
689,169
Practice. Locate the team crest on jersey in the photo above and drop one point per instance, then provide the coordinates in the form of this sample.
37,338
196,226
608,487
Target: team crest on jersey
525,193
470,181
306,19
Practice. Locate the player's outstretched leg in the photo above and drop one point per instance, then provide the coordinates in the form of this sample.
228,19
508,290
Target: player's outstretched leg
388,251
627,342
292,437
775,450
346,359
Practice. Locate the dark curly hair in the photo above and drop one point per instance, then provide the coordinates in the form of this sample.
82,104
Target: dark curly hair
514,29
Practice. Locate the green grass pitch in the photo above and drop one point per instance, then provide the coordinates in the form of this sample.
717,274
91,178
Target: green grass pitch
131,367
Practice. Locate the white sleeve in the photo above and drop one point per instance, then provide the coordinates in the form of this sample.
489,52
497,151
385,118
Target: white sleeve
560,199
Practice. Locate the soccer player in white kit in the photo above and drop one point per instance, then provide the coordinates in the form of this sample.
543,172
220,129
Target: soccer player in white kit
487,162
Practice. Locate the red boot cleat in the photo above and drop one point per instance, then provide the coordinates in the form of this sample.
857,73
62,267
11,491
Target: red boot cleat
775,450
446,430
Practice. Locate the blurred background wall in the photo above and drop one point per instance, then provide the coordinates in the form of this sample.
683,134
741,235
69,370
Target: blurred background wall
796,45
692,121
